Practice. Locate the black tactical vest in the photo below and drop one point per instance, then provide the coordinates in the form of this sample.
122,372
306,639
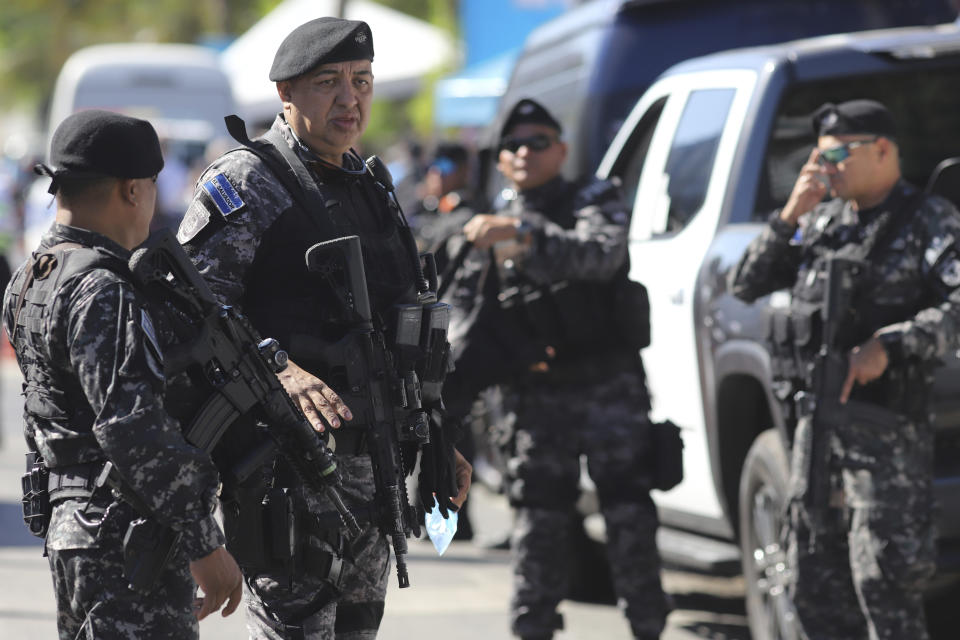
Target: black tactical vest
284,300
58,418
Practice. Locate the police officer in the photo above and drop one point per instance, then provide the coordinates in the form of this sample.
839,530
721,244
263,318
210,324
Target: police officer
860,573
94,388
247,230
446,202
567,241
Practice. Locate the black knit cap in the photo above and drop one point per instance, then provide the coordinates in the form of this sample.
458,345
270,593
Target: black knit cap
321,41
529,111
97,143
854,117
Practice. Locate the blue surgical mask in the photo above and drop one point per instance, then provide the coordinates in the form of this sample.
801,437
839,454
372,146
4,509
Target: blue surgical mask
440,529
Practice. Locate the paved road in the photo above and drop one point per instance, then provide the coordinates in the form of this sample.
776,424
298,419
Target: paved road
461,596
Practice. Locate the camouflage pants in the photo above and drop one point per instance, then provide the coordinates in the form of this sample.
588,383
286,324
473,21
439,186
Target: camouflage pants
860,574
606,421
280,610
94,600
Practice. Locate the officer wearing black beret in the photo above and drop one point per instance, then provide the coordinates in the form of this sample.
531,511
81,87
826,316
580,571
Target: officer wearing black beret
559,248
255,213
94,387
861,559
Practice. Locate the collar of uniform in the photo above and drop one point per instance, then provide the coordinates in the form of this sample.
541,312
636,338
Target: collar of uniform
352,163
60,233
537,197
902,189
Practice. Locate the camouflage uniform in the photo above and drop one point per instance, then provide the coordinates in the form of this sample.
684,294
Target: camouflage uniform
250,248
861,574
579,233
94,390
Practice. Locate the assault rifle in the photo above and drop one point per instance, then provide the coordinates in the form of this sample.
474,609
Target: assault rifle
241,370
387,394
822,402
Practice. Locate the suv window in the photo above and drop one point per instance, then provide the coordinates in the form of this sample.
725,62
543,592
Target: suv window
925,104
692,152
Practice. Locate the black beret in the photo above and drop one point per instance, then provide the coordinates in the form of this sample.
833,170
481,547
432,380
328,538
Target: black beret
854,117
97,143
321,41
529,111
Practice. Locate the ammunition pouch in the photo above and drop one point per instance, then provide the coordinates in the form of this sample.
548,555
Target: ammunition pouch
36,497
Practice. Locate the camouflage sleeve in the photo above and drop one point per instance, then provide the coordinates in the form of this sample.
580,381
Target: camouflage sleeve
933,331
769,263
236,200
112,347
593,250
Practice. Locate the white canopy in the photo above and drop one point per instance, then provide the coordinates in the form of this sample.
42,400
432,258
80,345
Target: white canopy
405,49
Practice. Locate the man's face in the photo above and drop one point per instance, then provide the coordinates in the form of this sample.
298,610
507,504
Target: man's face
444,176
329,106
522,163
855,174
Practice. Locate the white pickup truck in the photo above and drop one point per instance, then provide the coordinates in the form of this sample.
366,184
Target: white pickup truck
707,153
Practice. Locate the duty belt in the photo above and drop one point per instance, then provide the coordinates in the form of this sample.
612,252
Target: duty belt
73,481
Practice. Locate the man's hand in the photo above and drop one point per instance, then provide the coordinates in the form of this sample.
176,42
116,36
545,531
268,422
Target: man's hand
318,402
220,578
867,363
485,230
464,478
808,190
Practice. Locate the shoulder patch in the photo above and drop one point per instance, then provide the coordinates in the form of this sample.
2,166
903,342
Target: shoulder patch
223,194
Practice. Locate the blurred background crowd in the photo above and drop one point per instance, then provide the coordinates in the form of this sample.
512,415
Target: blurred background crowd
440,67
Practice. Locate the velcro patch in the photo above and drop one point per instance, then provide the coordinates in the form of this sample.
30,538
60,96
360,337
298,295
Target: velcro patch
223,194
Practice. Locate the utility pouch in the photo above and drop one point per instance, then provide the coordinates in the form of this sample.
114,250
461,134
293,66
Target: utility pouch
281,524
147,548
262,533
631,312
668,455
36,496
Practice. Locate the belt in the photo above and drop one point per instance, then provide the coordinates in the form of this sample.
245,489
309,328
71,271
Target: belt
73,481
349,441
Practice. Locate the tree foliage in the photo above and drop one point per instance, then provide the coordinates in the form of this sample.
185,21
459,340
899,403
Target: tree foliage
37,36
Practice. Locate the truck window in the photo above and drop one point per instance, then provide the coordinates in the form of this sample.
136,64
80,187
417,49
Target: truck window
630,163
692,152
924,103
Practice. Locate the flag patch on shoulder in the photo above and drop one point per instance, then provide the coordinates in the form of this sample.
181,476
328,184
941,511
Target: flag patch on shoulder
223,194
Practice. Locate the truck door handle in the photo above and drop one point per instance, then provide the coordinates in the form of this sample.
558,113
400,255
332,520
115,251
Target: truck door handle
677,297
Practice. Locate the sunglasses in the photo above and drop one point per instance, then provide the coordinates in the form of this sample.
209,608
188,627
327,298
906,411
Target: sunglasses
538,142
841,152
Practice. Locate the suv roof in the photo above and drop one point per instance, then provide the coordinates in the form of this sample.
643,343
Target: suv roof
901,43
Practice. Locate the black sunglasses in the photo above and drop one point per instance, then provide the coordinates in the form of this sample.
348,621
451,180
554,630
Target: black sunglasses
538,142
841,152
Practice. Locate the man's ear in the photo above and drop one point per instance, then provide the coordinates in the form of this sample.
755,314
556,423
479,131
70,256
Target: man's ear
129,191
283,90
884,147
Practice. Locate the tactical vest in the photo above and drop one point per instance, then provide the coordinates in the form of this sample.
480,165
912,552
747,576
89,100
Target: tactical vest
580,319
797,336
59,420
284,300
